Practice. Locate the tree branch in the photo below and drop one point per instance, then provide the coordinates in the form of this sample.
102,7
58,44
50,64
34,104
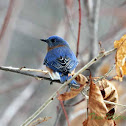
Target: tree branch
79,27
86,88
93,21
69,17
64,110
6,30
23,71
105,101
94,60
96,22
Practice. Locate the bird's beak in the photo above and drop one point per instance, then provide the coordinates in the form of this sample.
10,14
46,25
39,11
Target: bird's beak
44,40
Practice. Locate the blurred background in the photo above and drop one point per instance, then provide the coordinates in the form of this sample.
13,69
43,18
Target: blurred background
23,23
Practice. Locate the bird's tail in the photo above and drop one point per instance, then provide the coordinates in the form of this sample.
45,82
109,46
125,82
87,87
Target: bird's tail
73,83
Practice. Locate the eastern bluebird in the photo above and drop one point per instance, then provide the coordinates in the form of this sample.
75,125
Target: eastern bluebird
60,60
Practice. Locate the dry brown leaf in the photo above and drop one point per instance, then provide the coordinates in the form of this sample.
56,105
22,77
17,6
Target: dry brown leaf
104,88
81,79
108,91
120,58
68,95
98,109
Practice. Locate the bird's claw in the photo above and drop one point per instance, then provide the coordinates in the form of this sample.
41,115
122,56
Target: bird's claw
51,82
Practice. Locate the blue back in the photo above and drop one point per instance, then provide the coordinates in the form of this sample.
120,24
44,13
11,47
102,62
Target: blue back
61,59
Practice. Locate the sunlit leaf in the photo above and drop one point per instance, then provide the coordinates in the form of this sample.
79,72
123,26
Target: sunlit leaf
120,58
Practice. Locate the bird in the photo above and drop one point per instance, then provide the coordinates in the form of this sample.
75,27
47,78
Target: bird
60,60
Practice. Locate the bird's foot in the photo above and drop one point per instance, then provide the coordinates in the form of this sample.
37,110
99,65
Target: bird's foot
51,82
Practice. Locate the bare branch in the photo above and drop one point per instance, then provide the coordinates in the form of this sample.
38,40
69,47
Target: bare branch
7,27
39,120
53,96
64,110
79,27
69,17
96,22
20,71
93,21
105,101
100,78
69,105
34,70
119,114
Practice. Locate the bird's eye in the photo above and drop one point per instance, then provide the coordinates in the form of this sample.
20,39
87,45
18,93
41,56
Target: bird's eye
53,40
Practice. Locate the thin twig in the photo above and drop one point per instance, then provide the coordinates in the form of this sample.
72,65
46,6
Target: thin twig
100,78
69,17
25,69
96,23
79,27
18,70
59,119
113,103
72,105
122,112
7,29
93,8
7,18
65,113
53,96
4,34
59,114
33,70
108,102
39,120
106,75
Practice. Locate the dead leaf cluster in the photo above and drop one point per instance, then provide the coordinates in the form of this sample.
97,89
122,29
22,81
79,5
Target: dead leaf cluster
101,114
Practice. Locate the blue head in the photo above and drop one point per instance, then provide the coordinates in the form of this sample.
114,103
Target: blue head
53,41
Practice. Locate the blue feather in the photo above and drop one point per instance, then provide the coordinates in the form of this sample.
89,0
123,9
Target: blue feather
52,57
60,58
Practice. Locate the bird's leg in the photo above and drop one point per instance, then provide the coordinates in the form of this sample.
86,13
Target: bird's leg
51,82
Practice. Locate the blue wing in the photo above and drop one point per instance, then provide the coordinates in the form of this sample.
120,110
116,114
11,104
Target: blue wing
61,59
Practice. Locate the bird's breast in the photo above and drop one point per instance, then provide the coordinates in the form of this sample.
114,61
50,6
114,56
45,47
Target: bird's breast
50,48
